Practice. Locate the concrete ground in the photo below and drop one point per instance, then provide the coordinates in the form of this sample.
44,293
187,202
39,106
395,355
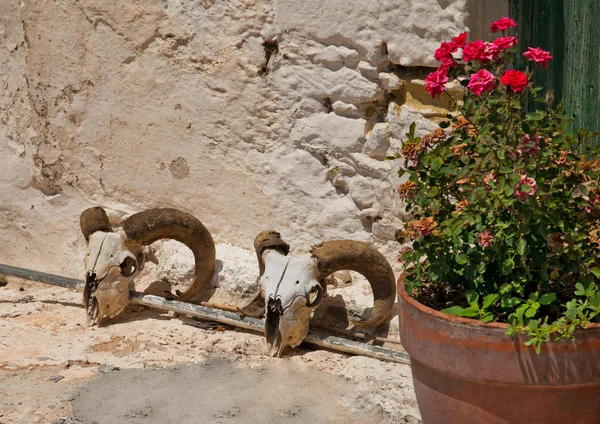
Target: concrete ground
151,367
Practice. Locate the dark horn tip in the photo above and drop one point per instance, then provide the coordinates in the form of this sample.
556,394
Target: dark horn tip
94,219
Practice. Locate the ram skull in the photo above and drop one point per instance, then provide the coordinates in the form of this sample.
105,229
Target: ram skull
115,258
291,288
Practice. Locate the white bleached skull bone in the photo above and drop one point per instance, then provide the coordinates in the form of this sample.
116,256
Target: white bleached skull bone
114,258
291,292
112,262
291,288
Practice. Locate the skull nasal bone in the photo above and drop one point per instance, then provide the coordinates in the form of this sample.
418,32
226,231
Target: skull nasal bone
274,313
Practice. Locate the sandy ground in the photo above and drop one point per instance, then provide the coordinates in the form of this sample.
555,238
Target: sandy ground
151,367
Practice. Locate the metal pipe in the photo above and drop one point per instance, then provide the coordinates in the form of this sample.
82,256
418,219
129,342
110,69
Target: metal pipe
218,315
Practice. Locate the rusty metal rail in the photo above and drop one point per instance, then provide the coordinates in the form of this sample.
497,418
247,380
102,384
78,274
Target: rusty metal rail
218,315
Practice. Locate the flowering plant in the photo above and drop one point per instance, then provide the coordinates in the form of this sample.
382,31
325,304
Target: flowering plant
503,204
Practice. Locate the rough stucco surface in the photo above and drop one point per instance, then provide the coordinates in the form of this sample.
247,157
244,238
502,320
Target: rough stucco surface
132,105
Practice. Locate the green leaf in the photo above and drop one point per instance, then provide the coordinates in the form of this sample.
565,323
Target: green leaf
596,271
525,188
521,246
472,299
449,171
468,313
487,317
510,302
530,312
538,115
490,299
507,266
411,131
433,191
453,310
444,124
461,259
547,298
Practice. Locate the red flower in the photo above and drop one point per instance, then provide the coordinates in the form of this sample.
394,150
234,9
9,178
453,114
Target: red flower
526,187
505,42
516,79
538,56
502,24
446,65
434,83
475,50
444,51
482,81
460,40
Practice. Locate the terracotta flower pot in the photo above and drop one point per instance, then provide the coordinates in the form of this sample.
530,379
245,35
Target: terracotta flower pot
465,371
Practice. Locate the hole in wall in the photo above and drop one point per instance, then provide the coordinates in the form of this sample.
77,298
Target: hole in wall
271,48
327,104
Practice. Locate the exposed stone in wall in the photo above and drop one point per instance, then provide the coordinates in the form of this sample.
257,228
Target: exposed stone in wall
249,114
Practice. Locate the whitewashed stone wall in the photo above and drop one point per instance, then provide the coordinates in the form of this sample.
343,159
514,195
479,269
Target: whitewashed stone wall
138,104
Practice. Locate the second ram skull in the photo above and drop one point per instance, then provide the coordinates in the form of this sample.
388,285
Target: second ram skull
292,287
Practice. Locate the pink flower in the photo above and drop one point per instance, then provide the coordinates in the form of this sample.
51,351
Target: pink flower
496,47
517,80
460,40
530,145
482,81
502,24
485,238
491,52
593,204
524,188
475,50
538,56
444,51
434,83
505,42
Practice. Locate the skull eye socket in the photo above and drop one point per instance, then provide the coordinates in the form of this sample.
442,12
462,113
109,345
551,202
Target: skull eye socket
128,266
314,296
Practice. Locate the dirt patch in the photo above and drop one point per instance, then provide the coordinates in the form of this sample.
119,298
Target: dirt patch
224,392
118,346
179,169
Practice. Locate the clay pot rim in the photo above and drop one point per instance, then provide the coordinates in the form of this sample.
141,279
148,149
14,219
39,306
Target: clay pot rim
459,320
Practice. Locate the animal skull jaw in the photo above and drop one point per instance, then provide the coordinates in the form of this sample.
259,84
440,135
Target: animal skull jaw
283,328
112,263
108,301
292,292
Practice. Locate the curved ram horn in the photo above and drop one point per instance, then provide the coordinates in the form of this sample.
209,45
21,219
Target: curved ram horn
269,239
92,220
155,224
361,257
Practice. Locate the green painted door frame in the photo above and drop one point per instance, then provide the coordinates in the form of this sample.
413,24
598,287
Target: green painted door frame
570,30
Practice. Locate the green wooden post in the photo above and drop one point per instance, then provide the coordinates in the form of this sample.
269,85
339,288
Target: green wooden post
570,30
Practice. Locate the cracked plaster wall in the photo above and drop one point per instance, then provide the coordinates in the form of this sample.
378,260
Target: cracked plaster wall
139,104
